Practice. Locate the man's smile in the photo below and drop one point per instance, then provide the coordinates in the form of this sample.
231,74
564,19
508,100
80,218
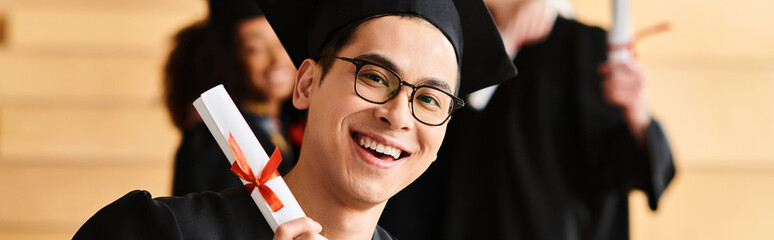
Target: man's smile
379,149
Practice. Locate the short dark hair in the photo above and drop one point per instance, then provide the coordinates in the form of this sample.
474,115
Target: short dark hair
336,41
340,38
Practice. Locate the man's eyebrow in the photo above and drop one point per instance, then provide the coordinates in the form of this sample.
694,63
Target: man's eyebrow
385,62
440,84
381,60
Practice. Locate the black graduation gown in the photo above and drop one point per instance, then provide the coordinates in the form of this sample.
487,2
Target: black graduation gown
546,159
228,214
200,164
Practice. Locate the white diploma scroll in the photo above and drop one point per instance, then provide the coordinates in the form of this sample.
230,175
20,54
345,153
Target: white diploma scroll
620,36
223,119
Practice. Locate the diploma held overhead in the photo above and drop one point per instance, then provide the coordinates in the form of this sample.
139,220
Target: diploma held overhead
620,36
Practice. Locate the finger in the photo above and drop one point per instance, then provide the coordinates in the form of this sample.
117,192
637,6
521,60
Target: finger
524,15
603,68
623,72
616,99
624,96
296,228
547,17
631,67
519,31
620,91
617,67
535,24
617,82
530,19
545,25
311,236
608,92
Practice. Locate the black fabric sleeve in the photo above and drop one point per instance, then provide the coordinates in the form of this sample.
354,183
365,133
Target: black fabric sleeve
649,168
227,214
660,163
134,216
614,160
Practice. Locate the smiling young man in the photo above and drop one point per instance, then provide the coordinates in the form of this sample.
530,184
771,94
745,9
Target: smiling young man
361,153
379,80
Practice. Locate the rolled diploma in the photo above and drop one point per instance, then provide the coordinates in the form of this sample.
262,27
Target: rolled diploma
619,37
222,117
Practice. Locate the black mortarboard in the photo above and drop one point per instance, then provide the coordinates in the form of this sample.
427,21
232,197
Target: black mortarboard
232,11
303,26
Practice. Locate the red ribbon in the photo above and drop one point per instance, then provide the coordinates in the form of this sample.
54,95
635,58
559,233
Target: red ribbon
242,169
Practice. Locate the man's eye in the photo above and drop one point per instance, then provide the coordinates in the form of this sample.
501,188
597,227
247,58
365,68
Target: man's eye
377,79
428,101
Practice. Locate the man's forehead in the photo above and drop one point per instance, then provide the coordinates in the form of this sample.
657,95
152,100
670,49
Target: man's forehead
410,46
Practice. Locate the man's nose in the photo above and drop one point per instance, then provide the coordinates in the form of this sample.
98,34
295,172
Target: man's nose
396,112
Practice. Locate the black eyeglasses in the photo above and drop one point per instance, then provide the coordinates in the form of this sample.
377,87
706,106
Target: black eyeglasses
378,84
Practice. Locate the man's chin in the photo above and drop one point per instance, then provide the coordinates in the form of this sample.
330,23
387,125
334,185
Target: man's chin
366,195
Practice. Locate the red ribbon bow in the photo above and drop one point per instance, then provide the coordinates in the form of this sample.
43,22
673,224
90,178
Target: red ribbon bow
242,169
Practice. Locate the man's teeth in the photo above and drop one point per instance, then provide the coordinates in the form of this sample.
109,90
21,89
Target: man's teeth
380,148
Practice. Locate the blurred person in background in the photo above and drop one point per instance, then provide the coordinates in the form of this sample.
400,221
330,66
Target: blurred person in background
551,154
235,47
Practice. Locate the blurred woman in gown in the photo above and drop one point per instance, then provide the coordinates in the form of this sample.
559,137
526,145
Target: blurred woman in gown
235,46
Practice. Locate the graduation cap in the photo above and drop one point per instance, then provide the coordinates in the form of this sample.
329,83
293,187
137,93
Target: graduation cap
304,26
230,12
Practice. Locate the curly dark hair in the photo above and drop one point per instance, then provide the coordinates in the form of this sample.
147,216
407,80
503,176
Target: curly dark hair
204,55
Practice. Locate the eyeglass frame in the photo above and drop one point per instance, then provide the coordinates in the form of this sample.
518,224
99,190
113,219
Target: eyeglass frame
359,63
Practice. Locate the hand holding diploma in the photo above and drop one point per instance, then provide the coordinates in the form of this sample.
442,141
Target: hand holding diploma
623,85
623,81
299,229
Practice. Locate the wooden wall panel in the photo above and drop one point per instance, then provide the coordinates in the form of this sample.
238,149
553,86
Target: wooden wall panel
716,111
26,77
94,27
192,7
86,136
35,235
699,28
709,204
81,117
55,199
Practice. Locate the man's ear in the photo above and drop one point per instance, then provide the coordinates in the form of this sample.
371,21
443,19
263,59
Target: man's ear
305,82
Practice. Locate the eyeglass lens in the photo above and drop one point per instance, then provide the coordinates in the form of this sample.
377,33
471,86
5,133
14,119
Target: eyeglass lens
378,85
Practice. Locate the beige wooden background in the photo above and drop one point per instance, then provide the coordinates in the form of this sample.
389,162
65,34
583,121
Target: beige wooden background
81,120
